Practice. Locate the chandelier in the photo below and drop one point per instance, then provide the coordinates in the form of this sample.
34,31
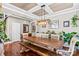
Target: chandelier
42,20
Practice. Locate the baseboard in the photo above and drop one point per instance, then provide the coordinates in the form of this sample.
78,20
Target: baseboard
11,41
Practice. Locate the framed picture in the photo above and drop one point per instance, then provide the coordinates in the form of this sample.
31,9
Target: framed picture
25,28
33,27
66,23
54,24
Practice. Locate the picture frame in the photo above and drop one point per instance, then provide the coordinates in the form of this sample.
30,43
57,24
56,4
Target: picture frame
54,24
33,27
25,28
66,23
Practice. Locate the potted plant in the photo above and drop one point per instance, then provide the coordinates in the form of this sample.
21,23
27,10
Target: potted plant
3,35
48,32
67,36
74,20
29,34
53,32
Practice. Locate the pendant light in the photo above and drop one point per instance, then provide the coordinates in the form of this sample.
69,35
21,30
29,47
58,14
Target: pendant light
43,12
42,21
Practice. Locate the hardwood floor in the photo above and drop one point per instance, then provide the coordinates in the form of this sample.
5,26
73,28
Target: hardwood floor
14,49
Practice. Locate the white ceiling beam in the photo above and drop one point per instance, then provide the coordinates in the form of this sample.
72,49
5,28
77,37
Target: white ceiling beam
76,5
16,9
46,16
47,9
35,17
65,12
19,15
34,9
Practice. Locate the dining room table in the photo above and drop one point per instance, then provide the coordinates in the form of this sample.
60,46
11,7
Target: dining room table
49,43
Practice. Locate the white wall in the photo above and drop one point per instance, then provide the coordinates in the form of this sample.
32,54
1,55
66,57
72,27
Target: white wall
10,20
61,18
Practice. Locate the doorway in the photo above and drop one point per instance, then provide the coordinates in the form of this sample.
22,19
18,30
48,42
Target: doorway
15,31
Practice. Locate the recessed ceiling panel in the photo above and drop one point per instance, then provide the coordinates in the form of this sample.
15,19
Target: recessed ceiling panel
40,12
60,6
25,6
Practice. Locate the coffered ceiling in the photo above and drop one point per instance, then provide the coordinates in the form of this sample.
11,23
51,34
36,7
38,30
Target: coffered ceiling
25,6
34,9
54,7
40,12
60,6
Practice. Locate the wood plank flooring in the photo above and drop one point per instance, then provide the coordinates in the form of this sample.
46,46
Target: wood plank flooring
14,49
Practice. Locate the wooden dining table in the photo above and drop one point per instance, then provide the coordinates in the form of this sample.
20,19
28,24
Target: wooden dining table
45,42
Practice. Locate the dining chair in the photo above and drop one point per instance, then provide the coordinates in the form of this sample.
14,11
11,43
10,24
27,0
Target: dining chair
45,35
38,34
70,50
24,35
54,36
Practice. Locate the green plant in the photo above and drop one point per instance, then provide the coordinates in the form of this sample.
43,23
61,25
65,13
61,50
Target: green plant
1,15
2,32
74,20
48,32
2,25
53,32
4,36
67,36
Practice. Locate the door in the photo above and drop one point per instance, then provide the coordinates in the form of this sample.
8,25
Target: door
15,31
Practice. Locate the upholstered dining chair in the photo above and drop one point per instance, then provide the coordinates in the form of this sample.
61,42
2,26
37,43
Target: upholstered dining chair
1,47
45,35
38,34
24,35
54,36
71,48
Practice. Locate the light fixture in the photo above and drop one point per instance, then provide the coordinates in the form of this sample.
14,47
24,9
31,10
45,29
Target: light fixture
42,21
43,12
